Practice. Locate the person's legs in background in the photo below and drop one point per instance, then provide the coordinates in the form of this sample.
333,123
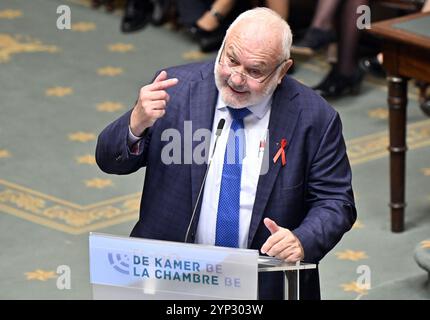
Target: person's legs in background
426,7
137,14
324,15
349,37
213,18
345,76
207,20
321,32
281,7
190,11
161,11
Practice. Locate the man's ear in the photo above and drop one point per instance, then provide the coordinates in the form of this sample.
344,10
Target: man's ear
287,65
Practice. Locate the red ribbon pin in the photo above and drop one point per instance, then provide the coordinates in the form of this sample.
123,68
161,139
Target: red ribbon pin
280,152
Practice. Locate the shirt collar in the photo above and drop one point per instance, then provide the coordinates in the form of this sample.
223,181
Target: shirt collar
259,109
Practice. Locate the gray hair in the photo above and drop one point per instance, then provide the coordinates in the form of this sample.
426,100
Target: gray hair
266,14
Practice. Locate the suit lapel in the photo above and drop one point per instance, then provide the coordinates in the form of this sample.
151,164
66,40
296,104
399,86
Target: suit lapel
203,97
283,119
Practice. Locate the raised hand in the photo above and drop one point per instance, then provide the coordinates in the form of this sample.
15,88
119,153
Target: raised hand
151,104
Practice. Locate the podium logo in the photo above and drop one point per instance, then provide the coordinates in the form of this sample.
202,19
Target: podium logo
120,262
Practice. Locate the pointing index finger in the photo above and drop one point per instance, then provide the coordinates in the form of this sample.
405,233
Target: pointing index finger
164,84
161,76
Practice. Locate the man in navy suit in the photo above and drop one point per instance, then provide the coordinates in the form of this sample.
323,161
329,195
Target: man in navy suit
293,199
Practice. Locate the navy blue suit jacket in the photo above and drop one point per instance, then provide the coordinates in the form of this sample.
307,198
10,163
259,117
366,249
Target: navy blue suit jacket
311,195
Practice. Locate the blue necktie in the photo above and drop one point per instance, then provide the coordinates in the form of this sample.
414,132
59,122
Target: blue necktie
227,223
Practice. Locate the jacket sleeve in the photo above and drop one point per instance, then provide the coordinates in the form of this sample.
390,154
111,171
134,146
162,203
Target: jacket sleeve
329,199
112,152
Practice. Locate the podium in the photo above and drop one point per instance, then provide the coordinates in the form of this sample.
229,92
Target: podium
135,268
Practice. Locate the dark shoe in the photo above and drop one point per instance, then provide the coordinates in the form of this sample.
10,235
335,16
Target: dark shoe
137,14
315,39
336,84
371,65
160,12
208,40
212,42
196,32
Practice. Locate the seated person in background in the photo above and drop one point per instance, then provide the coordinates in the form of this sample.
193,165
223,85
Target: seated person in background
344,77
321,32
293,200
207,20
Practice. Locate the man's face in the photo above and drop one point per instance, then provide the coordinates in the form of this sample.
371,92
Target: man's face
250,57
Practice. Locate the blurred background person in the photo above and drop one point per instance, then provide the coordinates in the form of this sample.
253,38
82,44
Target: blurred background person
344,76
321,32
138,13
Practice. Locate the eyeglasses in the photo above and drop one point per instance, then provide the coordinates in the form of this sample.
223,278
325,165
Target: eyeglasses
255,75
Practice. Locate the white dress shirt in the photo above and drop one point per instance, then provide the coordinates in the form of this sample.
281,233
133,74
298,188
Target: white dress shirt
255,126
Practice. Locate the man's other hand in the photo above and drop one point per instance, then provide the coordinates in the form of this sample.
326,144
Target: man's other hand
282,244
151,104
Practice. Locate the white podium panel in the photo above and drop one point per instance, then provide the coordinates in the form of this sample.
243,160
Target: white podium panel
134,268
